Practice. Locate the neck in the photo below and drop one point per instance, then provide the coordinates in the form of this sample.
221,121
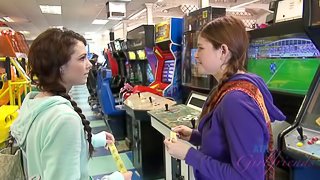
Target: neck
218,76
68,87
43,94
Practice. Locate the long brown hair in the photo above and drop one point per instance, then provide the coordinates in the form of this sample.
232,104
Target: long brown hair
230,31
48,52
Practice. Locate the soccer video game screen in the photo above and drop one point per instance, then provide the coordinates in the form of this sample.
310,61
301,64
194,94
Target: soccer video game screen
286,63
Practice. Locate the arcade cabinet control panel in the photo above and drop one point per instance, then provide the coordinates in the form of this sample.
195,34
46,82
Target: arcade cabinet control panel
146,101
304,141
181,114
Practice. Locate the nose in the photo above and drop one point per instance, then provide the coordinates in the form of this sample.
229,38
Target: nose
196,56
89,65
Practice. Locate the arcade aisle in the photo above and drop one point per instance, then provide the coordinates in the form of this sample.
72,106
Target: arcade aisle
102,162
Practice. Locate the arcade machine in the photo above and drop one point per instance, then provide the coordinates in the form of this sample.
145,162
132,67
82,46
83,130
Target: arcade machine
167,50
166,118
147,143
117,55
117,80
193,78
141,59
300,142
121,58
286,55
139,40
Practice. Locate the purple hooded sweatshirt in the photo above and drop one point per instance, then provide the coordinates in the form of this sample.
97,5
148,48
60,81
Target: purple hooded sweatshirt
233,138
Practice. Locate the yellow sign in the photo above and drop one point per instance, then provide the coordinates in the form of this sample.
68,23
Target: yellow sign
205,14
162,31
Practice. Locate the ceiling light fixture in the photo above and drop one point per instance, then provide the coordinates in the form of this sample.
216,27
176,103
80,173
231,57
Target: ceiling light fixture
46,9
100,21
24,32
58,27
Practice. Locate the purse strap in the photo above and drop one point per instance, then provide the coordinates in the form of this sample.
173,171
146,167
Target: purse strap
10,142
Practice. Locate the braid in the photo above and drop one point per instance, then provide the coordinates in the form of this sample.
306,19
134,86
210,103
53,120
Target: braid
85,123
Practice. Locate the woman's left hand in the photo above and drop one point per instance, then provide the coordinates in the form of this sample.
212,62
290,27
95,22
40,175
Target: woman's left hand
109,138
176,149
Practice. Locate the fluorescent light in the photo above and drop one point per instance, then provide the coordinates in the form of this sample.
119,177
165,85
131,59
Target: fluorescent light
46,9
8,19
58,27
243,4
100,21
138,14
24,32
115,18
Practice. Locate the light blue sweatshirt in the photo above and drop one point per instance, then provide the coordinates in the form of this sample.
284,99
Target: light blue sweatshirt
51,135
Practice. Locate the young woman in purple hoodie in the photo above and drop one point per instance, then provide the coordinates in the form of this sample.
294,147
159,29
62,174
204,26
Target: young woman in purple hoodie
234,130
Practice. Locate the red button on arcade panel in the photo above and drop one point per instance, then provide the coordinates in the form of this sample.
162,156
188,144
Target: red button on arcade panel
310,142
315,139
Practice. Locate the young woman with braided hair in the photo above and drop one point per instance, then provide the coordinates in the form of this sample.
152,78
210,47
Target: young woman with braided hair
234,132
53,133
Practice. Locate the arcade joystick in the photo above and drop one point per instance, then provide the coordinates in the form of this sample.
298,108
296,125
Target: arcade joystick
150,99
301,137
139,94
193,123
167,107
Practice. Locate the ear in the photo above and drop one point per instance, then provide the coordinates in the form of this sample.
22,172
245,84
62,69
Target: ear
61,69
225,53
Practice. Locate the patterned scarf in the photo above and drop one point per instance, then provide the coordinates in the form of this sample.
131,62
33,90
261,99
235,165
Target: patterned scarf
251,90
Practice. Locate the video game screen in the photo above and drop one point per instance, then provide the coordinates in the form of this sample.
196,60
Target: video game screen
168,71
141,54
117,45
132,55
286,63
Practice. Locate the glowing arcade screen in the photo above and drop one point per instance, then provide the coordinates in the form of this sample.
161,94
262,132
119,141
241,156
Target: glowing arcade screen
286,63
168,70
117,45
141,54
132,55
